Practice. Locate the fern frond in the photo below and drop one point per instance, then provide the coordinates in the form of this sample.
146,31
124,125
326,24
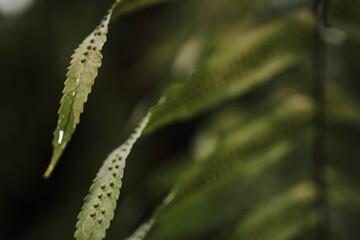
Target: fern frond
82,72
250,144
89,227
245,152
182,193
100,203
253,60
281,218
81,75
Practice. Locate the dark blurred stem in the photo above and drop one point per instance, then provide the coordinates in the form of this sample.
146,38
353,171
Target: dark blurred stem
319,158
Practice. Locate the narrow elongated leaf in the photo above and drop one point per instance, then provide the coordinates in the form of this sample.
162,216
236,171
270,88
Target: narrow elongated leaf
81,75
254,59
100,203
82,71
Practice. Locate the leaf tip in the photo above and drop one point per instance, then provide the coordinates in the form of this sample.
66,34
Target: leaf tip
48,171
54,159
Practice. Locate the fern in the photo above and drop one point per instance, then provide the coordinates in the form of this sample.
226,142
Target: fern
172,100
82,71
100,203
257,146
238,69
81,75
255,59
252,142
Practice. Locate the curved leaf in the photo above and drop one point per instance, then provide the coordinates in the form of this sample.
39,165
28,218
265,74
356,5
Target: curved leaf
81,75
100,203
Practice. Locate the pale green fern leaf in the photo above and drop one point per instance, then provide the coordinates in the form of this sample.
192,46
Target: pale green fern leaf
100,203
81,75
82,72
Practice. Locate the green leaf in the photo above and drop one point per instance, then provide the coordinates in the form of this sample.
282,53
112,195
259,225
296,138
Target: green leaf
81,75
236,68
246,152
290,121
100,203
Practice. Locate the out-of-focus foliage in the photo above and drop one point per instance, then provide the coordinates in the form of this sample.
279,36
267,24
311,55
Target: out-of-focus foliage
228,151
